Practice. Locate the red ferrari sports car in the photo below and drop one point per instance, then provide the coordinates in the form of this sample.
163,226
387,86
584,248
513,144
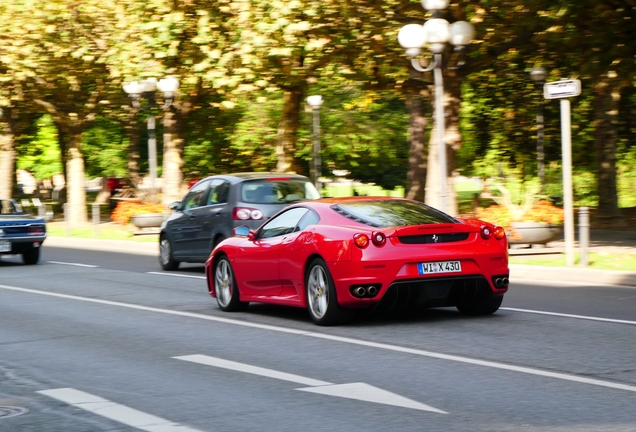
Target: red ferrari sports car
337,255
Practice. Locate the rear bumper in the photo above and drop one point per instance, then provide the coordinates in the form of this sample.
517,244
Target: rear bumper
397,286
22,244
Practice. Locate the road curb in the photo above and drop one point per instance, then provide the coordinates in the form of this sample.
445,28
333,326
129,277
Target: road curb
519,272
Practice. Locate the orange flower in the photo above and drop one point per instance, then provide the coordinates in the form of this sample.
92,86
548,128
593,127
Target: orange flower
541,211
125,210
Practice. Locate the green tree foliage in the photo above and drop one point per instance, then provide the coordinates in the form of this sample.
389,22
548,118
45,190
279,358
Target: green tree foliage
104,146
41,155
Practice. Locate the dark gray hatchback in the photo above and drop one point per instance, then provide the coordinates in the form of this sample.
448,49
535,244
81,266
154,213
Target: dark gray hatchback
216,205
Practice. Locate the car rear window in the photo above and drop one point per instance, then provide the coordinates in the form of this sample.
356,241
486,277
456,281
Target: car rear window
391,213
277,191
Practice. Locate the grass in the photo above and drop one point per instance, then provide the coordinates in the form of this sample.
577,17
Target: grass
595,260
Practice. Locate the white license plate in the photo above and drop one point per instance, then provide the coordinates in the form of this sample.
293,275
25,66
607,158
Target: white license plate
5,246
439,267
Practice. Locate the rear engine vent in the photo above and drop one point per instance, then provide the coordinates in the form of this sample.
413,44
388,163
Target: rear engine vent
433,238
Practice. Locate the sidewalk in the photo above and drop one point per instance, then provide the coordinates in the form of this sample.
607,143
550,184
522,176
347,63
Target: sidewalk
623,242
618,242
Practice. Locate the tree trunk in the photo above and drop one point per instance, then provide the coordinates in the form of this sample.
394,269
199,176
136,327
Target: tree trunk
63,138
132,128
418,122
172,176
75,192
606,102
7,159
287,132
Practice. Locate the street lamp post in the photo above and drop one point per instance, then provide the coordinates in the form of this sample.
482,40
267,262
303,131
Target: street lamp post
315,102
436,32
538,75
147,89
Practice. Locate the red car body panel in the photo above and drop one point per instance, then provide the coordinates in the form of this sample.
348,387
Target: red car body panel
273,270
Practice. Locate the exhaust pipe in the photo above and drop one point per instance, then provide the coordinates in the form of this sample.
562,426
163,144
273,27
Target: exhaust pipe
372,291
360,291
501,282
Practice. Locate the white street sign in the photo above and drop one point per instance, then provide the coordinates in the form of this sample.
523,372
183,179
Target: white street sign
561,89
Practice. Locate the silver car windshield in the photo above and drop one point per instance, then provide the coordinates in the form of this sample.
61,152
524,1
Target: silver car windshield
277,191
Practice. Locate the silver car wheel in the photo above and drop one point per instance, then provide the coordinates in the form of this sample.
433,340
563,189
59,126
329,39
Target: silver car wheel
223,283
164,251
318,292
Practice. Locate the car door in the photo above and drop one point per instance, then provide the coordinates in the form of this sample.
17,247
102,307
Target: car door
257,271
221,226
185,229
206,219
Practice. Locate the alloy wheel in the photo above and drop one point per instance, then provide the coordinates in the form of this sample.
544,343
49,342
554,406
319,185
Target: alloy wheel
223,283
318,292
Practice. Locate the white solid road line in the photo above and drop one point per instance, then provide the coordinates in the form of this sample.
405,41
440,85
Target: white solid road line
358,391
388,347
176,275
114,411
72,264
583,317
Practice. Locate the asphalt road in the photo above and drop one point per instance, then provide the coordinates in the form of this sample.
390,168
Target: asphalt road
102,341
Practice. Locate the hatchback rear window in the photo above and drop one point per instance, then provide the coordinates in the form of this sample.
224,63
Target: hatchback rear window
277,191
391,213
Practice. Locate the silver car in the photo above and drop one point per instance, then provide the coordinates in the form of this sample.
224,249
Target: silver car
216,205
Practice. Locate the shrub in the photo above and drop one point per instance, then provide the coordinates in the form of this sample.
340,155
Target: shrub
541,211
125,210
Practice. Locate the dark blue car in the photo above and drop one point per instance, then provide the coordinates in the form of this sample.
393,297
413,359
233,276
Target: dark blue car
20,233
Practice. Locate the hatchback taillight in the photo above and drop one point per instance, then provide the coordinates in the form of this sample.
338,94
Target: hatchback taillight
246,213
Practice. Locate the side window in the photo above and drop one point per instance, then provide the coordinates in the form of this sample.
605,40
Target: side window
193,198
219,191
308,218
282,224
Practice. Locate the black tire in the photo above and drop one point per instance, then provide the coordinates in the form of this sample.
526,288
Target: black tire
227,291
322,302
31,256
166,259
487,307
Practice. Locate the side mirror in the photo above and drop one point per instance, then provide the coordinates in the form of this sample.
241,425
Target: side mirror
175,205
244,231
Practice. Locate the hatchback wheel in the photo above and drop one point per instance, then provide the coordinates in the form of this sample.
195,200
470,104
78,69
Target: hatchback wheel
166,259
227,293
322,302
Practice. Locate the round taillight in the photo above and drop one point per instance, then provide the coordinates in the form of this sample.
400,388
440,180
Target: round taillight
378,239
256,214
243,214
499,232
486,232
361,240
